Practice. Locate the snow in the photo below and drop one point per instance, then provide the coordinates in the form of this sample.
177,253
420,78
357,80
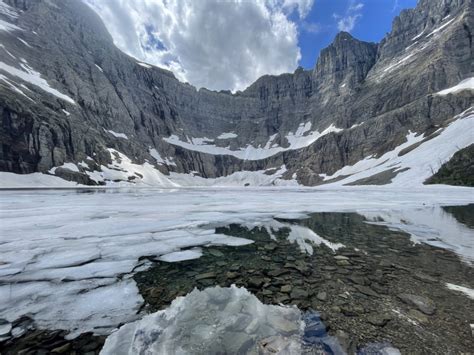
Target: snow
438,29
117,135
159,160
33,77
11,180
68,166
98,67
24,42
66,113
239,178
469,292
7,10
301,138
67,257
15,88
144,65
228,135
122,168
6,50
208,322
422,162
399,62
466,84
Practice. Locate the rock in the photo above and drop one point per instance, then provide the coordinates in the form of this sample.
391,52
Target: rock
216,253
270,247
341,257
255,282
344,340
379,320
357,280
62,349
285,289
274,345
352,310
418,316
207,275
299,293
322,296
366,291
423,304
343,262
425,278
329,268
232,275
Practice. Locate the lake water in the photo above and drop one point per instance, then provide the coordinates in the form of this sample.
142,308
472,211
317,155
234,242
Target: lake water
356,269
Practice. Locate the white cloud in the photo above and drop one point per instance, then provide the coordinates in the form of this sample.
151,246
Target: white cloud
210,43
349,20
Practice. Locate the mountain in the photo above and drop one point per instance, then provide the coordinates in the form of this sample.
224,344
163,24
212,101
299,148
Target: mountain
76,108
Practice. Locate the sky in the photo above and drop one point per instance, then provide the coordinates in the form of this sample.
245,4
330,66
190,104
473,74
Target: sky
228,44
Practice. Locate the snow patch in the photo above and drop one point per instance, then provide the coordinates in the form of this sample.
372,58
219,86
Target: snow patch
159,160
117,135
466,84
34,180
98,67
68,166
228,135
148,66
297,140
33,77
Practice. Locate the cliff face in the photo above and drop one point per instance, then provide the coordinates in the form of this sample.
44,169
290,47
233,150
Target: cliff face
68,95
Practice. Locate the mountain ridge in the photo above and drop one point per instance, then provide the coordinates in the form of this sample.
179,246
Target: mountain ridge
313,120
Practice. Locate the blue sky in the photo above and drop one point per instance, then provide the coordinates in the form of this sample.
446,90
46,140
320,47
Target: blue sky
374,22
228,44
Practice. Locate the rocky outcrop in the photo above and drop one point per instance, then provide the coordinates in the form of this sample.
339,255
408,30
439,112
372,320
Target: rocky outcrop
371,94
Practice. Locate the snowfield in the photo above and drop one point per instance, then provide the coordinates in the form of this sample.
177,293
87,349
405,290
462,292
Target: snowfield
67,256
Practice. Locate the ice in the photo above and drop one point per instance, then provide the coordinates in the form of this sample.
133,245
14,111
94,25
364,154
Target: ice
33,77
195,253
117,135
466,84
469,292
215,320
228,135
66,256
297,140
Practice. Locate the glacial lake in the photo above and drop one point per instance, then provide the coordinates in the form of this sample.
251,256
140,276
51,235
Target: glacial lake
251,271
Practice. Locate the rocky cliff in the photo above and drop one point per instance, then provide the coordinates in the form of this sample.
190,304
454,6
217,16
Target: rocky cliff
74,106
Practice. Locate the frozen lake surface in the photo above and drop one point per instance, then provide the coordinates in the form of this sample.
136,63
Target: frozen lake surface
67,257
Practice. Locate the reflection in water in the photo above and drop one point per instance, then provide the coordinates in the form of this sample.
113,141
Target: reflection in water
463,214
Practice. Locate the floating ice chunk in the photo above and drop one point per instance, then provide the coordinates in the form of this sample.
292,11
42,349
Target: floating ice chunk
469,292
215,320
33,77
117,135
466,84
182,255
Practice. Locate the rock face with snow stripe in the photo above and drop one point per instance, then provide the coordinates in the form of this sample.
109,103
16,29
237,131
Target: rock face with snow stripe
68,95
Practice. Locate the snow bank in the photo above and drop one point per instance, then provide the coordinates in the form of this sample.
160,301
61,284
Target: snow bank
117,135
215,320
469,292
34,180
297,140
